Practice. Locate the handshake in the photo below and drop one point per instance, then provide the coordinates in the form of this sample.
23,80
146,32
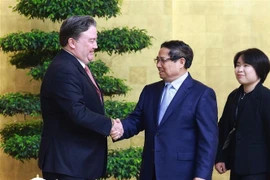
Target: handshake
117,130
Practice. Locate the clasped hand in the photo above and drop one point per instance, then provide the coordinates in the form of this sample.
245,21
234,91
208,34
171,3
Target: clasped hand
117,130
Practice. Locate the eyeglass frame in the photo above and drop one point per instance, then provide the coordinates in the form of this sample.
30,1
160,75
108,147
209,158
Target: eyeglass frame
163,60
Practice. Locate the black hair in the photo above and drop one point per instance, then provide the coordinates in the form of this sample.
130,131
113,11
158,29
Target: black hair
257,59
179,49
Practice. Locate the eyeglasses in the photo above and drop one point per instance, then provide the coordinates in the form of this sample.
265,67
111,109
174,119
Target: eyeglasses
161,59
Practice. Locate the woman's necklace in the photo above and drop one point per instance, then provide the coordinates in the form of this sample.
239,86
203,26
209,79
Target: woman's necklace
243,95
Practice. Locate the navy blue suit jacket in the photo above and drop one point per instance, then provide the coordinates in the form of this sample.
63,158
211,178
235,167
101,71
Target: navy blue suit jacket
183,145
75,130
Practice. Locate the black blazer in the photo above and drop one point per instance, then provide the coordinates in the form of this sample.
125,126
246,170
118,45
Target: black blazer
75,130
249,151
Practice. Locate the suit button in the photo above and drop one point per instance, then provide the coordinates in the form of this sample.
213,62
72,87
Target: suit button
157,134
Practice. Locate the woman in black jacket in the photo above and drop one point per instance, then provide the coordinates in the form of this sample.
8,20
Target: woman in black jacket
244,127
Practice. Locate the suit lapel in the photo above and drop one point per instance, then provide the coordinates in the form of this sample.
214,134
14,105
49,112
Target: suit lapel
182,92
158,93
75,62
82,71
80,67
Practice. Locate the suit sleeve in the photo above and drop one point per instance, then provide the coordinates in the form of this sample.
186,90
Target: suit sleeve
225,126
224,130
207,130
266,117
67,90
133,124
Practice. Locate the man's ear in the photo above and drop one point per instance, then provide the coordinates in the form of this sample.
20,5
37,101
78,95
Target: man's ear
71,43
182,61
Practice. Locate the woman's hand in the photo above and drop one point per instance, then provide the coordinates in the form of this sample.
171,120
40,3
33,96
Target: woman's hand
220,167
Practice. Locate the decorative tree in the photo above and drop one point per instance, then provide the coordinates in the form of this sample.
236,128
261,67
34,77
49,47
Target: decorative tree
34,50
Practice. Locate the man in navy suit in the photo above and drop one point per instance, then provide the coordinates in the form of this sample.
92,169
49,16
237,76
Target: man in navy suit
182,143
74,137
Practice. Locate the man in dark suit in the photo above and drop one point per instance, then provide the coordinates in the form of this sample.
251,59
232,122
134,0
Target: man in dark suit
74,137
182,143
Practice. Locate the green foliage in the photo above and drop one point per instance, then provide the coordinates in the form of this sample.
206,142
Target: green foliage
27,41
99,68
36,49
21,140
117,40
29,59
22,147
39,71
108,84
111,86
124,163
29,104
118,109
19,103
123,40
27,128
57,10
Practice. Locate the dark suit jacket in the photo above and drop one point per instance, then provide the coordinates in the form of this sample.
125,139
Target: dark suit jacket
249,151
183,145
75,130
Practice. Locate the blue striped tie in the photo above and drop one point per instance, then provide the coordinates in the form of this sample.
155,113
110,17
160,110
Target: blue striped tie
167,98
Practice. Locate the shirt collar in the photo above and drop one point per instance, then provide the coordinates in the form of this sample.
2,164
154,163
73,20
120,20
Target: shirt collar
83,65
179,81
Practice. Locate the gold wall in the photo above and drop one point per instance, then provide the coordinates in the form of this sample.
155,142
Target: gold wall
215,29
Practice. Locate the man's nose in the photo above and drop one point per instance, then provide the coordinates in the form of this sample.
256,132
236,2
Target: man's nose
158,64
95,45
